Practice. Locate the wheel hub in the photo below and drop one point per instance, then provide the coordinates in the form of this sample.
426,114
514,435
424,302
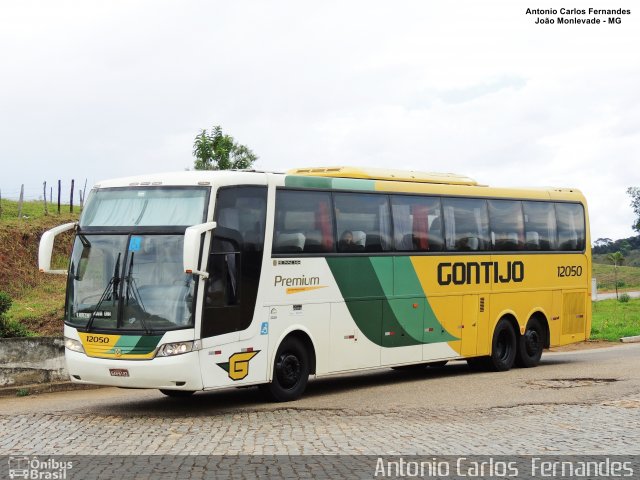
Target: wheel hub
289,370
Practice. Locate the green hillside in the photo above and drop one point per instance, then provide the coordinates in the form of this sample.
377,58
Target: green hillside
38,299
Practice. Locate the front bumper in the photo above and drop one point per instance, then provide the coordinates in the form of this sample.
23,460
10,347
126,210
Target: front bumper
180,372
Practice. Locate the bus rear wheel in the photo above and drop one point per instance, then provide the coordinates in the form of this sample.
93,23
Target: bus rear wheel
290,372
531,344
503,347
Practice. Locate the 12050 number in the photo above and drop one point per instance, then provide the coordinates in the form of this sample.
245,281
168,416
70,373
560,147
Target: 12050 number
570,271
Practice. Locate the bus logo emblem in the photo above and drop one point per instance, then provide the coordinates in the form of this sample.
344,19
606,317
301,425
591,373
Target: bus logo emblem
238,365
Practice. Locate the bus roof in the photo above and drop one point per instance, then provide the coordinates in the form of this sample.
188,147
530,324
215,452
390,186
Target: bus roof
385,174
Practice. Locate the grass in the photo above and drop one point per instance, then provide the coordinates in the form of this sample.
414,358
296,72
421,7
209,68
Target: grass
631,259
38,299
613,319
40,309
33,210
628,277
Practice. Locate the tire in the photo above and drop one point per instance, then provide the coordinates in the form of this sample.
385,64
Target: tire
290,372
531,344
503,347
177,393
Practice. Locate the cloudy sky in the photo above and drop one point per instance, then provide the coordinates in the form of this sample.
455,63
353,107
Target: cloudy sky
106,89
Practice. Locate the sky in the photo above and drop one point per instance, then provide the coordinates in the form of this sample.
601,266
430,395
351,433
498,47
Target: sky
94,90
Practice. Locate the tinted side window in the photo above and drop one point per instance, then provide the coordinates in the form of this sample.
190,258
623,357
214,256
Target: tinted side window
571,229
303,222
363,222
417,224
466,224
235,260
507,225
243,210
540,226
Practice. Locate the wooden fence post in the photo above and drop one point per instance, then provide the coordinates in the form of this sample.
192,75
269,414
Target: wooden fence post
20,201
44,195
84,194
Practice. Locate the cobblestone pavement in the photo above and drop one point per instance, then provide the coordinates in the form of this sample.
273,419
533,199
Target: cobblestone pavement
534,429
600,419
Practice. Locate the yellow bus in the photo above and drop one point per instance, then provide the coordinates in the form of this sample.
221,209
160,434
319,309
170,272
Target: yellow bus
205,280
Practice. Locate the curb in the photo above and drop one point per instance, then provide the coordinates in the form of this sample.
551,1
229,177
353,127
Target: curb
634,339
37,388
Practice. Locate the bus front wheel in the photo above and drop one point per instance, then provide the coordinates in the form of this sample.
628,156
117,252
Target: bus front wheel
290,372
530,344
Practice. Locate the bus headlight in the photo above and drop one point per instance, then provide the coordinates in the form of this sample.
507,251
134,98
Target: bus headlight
73,345
178,348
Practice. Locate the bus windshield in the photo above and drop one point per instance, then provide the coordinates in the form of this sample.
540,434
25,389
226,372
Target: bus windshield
145,207
129,282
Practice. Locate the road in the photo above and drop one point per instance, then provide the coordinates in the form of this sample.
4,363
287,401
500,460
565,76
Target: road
611,296
575,402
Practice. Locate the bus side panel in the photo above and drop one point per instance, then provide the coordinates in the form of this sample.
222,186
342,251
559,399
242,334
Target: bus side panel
349,345
312,319
227,361
521,305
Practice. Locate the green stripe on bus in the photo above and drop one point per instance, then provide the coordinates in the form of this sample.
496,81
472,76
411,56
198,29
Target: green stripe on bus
139,344
367,286
301,181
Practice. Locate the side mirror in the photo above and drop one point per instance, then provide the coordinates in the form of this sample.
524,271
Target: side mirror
191,251
45,250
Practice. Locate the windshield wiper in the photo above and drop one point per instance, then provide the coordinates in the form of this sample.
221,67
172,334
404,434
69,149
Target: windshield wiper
113,282
133,287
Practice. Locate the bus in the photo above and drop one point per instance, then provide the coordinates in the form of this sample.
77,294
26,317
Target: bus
203,280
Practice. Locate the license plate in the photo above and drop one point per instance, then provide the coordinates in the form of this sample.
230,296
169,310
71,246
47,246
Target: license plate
119,372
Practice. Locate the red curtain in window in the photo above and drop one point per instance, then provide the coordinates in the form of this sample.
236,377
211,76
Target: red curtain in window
323,223
421,226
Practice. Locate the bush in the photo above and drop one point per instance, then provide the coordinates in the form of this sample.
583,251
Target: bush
11,329
5,303
620,283
624,298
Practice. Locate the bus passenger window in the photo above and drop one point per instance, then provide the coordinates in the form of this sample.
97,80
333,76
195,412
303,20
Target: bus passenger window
366,216
507,225
571,230
417,223
466,224
540,226
303,222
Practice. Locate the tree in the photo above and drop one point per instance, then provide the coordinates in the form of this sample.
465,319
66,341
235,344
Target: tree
216,151
635,204
616,258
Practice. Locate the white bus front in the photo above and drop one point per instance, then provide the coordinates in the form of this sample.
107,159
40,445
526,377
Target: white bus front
128,296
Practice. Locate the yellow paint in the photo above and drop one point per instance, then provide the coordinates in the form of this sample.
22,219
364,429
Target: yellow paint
564,301
292,290
101,345
239,364
384,174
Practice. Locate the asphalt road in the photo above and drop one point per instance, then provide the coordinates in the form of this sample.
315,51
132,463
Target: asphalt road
611,296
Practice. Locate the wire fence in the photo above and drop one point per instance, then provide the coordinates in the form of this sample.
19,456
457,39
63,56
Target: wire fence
55,197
